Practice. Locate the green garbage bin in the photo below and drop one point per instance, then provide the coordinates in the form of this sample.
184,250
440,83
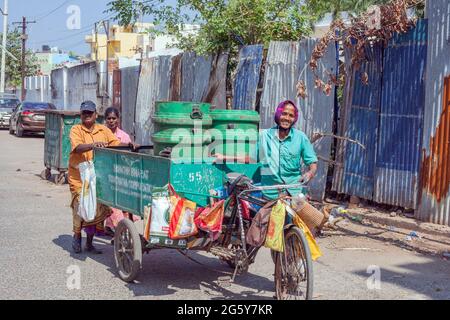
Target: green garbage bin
182,125
234,132
57,143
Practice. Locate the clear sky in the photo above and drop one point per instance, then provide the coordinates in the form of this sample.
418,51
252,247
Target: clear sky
51,21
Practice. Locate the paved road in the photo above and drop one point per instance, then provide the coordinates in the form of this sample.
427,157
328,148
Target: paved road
36,261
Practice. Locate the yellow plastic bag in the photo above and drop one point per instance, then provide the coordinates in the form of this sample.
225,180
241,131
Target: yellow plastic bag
313,246
274,237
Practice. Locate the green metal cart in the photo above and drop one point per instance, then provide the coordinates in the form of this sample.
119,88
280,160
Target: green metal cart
128,181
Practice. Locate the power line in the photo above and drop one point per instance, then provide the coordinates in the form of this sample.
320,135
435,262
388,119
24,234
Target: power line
52,11
82,30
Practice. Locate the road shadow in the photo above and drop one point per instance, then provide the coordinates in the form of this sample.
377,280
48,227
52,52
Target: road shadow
31,135
167,272
53,179
418,277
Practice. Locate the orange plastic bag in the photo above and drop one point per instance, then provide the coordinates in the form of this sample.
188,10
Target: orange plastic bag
210,219
182,213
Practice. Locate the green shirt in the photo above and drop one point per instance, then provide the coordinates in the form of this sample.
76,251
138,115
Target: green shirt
281,160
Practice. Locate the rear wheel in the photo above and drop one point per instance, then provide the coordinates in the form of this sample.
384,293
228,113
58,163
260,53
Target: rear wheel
60,178
46,174
293,268
127,250
19,130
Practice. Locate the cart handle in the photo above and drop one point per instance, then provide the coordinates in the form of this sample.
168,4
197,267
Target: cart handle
129,148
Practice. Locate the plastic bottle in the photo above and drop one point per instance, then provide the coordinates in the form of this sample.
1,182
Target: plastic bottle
298,201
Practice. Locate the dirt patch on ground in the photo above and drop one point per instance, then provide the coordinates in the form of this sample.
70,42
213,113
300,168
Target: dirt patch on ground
393,228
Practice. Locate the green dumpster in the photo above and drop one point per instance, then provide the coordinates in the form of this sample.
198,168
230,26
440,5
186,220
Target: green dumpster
57,142
128,181
234,132
181,124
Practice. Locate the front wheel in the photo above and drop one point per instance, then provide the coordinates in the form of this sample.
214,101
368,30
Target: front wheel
127,250
293,268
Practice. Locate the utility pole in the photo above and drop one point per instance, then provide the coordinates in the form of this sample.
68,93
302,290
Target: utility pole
106,27
5,34
96,42
24,42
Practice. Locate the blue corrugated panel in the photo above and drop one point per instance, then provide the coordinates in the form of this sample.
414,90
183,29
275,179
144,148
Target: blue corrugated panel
364,104
247,77
401,118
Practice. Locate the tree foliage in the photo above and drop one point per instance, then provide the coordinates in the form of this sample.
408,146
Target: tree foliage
335,7
225,24
13,71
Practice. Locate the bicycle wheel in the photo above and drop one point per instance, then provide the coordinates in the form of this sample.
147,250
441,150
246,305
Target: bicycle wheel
293,268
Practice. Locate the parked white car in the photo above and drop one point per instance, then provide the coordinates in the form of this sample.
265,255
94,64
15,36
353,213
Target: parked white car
7,104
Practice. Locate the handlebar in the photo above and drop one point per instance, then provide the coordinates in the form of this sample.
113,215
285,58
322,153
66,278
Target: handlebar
129,148
273,187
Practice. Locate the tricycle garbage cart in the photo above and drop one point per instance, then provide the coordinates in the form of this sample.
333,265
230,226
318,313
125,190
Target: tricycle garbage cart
129,180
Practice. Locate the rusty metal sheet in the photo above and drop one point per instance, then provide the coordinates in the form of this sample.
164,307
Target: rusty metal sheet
195,75
154,85
116,101
247,77
401,119
434,195
175,78
129,86
317,110
216,93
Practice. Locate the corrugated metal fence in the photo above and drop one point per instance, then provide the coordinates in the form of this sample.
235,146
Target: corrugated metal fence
386,116
287,63
129,78
435,181
38,89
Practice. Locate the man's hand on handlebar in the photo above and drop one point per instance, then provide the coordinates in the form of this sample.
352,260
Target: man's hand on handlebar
307,177
134,146
219,158
99,145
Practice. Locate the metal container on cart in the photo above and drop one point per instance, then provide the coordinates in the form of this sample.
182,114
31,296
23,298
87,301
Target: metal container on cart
181,124
57,142
128,181
234,132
